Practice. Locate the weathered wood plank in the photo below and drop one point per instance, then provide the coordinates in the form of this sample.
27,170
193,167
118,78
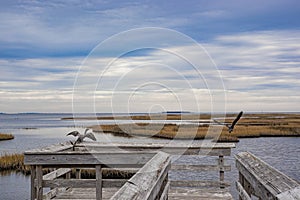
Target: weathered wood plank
199,183
39,185
85,193
164,194
52,148
197,194
242,193
147,182
87,159
266,181
203,144
56,173
78,173
83,183
52,193
293,194
173,150
199,168
98,182
32,180
221,164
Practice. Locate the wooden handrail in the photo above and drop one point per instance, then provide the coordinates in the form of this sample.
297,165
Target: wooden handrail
149,182
260,179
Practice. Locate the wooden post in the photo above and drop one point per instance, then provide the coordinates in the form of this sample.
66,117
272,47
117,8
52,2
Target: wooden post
78,174
68,175
98,182
39,186
221,165
245,184
241,181
33,177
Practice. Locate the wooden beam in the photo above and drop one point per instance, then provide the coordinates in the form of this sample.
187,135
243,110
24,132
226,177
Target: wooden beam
147,182
243,195
56,173
165,192
86,158
39,185
98,182
194,144
199,168
52,148
173,150
78,173
52,193
198,183
83,183
33,190
221,172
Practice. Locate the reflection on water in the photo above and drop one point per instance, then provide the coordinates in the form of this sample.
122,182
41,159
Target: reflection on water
14,186
282,153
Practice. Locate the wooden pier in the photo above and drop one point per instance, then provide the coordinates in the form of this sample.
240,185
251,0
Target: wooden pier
151,164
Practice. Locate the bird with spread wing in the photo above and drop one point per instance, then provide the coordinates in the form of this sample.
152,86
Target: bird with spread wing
230,126
80,137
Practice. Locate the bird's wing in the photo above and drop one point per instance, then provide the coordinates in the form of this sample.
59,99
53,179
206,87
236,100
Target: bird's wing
91,136
74,133
86,130
221,123
237,119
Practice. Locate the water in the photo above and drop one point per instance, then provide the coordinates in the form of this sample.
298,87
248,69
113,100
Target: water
282,153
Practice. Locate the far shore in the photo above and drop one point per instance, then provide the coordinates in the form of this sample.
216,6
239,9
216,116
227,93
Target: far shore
251,125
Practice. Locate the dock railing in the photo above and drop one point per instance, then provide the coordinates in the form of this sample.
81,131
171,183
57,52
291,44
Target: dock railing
59,157
218,150
149,183
151,161
263,181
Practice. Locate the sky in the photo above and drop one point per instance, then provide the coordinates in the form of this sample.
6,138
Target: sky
150,56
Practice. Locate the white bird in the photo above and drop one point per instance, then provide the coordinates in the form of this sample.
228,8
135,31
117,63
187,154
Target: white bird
231,126
80,137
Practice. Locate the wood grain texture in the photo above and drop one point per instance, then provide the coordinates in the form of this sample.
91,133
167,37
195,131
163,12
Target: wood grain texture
266,182
243,195
147,182
56,173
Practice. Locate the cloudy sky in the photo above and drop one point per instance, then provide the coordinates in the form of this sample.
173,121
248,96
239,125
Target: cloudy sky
149,56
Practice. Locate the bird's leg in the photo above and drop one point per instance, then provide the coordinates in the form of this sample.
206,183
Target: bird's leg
74,145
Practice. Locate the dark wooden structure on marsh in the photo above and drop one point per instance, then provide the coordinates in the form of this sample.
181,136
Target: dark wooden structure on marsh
152,164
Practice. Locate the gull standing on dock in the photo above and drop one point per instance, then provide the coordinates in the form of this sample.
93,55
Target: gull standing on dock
80,137
231,126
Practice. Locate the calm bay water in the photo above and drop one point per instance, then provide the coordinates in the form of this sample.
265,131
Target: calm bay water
46,129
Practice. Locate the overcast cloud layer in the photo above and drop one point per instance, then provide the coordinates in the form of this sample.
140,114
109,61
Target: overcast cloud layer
254,47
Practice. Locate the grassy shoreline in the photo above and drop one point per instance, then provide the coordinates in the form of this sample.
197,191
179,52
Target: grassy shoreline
5,136
250,126
14,162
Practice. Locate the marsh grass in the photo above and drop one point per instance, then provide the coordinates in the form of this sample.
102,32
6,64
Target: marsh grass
4,136
14,162
251,125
